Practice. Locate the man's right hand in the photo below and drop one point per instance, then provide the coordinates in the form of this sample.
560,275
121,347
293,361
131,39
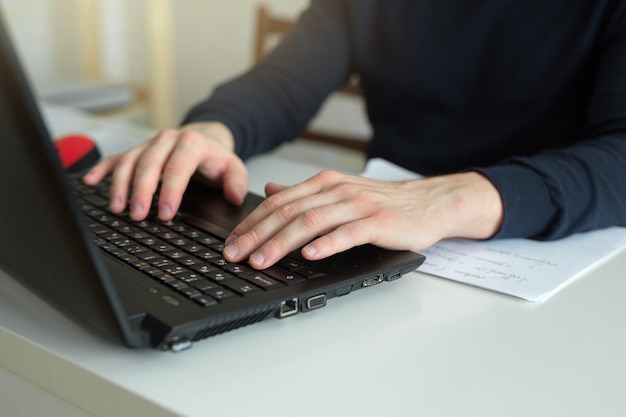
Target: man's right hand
203,150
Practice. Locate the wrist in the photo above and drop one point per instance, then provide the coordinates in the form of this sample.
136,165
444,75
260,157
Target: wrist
471,206
215,130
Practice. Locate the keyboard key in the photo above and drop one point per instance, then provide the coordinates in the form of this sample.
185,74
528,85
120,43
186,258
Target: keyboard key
263,281
238,269
284,275
150,256
291,264
205,300
203,268
220,276
241,287
190,277
190,292
220,294
175,270
176,284
310,273
204,284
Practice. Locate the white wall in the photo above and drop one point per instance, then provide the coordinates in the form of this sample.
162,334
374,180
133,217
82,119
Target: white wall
31,27
214,41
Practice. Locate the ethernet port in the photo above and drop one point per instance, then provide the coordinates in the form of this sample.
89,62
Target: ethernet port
288,308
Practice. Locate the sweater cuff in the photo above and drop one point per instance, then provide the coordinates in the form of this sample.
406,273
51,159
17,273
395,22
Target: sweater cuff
528,207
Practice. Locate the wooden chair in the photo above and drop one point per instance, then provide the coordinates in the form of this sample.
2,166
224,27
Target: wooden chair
269,30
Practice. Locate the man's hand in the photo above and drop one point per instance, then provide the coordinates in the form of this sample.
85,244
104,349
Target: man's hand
333,212
172,157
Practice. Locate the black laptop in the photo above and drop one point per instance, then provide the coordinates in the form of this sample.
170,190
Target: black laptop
152,284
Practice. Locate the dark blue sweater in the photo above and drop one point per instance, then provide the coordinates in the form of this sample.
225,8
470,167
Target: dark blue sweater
531,93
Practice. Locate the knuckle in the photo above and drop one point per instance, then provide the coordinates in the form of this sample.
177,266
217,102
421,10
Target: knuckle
189,137
273,202
382,217
145,163
164,136
125,159
345,188
287,212
327,175
311,219
173,166
277,245
353,232
253,237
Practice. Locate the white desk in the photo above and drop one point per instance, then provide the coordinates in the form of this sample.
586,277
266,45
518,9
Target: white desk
421,346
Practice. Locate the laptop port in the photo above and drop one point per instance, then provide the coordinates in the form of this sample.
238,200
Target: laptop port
288,308
316,301
374,280
392,276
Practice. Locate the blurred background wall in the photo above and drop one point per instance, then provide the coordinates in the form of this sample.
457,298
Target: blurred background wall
172,52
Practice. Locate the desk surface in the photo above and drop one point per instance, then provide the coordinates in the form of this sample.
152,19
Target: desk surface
419,346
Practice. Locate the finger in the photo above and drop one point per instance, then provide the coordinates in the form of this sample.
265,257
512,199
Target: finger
273,188
99,171
212,163
303,228
279,200
240,246
177,171
146,172
235,181
118,193
344,237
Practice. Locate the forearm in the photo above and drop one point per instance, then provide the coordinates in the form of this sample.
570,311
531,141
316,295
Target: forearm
563,191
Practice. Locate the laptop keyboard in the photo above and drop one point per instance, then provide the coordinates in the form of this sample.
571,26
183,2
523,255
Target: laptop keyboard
180,255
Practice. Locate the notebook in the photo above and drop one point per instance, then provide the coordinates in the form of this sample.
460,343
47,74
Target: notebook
146,284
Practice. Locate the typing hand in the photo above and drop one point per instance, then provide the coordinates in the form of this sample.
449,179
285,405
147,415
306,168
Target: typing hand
333,212
172,157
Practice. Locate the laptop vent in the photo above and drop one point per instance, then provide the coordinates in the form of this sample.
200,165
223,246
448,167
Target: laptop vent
232,324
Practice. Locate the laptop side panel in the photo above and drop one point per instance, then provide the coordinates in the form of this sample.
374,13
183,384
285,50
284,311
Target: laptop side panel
43,243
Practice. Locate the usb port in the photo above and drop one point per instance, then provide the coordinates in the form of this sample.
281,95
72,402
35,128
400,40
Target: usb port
392,276
374,280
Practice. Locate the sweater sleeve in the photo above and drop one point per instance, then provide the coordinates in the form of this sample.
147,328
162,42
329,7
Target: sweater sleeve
275,100
582,187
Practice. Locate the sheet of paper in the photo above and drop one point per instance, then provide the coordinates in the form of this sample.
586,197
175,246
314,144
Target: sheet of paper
522,268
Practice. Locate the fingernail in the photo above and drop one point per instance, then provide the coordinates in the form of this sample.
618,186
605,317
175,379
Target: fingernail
242,192
309,251
165,211
231,250
135,209
114,203
257,258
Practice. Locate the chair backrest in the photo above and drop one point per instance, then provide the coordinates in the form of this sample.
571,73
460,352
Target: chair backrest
269,30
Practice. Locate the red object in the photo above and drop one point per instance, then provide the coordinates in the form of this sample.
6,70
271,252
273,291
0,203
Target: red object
77,152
